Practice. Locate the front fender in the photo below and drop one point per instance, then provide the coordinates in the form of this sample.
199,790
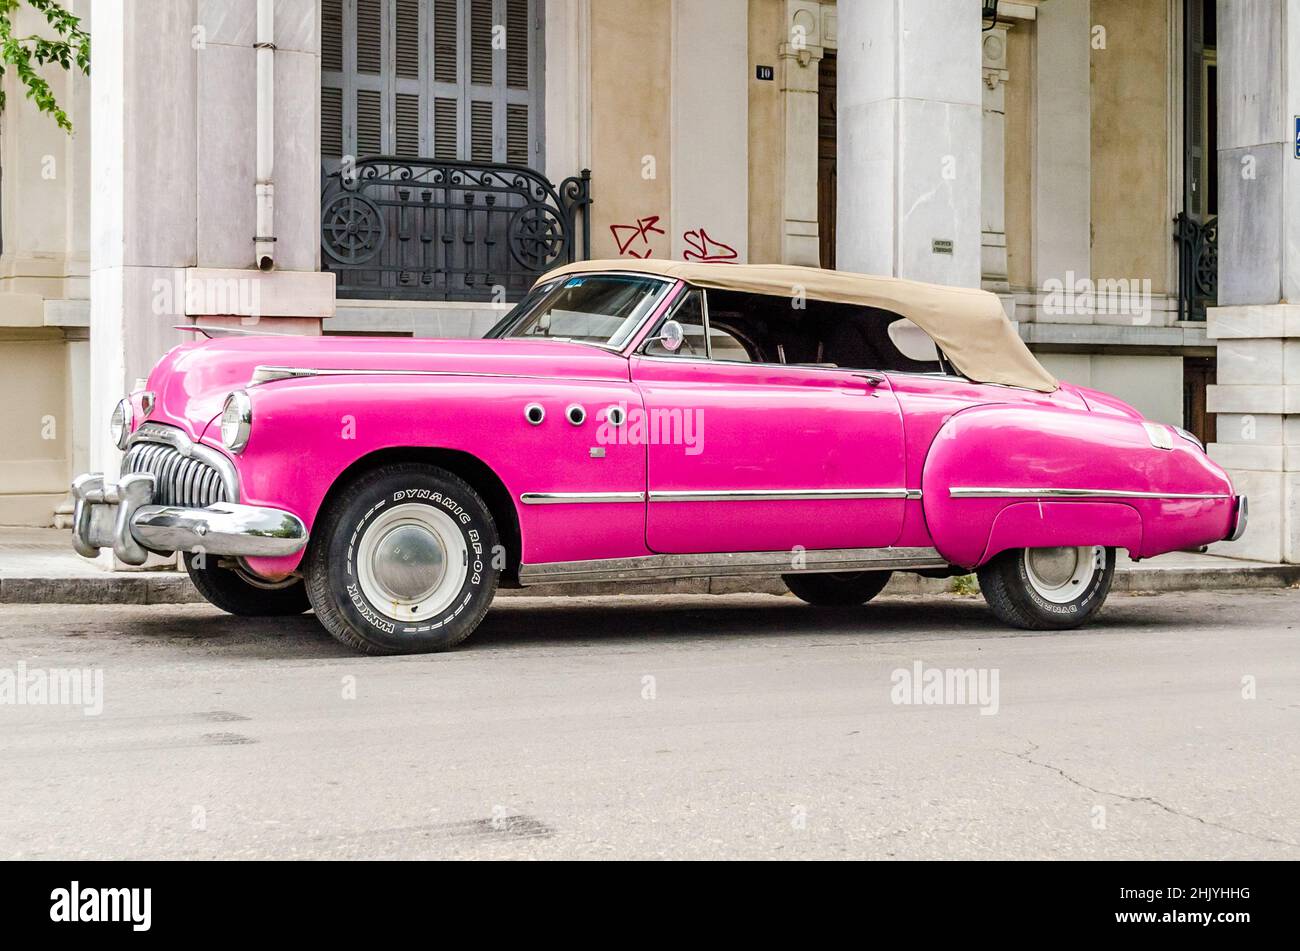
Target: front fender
1034,451
306,432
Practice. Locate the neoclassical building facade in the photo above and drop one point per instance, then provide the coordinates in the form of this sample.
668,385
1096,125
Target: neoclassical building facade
1117,171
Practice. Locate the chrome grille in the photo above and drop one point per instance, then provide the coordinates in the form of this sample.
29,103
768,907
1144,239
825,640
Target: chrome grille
178,480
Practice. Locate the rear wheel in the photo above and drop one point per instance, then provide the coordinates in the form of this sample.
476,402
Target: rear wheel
1048,588
837,589
238,593
401,562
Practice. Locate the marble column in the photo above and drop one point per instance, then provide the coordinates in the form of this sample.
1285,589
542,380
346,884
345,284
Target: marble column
993,241
798,66
910,141
1063,167
173,132
709,204
1257,332
568,88
143,195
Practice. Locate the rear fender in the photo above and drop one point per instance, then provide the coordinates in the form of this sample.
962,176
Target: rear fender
1006,447
1051,524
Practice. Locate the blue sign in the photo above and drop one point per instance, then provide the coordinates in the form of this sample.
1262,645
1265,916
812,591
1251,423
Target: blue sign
1297,136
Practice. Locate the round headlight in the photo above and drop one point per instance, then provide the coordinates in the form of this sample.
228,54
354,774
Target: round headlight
236,421
119,426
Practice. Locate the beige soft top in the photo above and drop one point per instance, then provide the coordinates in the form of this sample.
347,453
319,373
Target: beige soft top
969,325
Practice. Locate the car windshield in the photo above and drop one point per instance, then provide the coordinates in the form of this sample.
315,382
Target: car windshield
600,309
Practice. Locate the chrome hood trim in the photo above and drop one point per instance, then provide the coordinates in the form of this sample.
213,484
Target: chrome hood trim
270,374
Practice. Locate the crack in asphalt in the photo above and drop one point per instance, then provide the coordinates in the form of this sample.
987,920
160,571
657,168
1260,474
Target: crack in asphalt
1027,756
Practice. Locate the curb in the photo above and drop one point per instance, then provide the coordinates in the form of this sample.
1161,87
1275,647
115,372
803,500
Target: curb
166,587
147,588
1218,578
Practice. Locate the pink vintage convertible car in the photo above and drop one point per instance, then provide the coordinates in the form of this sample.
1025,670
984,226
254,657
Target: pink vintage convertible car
641,420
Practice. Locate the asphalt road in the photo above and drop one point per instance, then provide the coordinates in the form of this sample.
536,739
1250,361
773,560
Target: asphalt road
691,727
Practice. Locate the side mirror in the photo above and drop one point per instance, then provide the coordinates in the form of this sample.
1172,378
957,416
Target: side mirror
671,336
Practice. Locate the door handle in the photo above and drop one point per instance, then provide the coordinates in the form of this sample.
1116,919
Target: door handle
872,379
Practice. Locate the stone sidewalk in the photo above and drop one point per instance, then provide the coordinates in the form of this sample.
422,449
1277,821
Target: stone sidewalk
38,566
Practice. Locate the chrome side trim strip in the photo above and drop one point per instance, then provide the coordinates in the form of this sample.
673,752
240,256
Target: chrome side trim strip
984,492
729,564
779,495
726,495
573,498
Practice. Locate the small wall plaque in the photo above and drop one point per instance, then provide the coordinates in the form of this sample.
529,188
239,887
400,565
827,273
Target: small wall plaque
941,245
766,73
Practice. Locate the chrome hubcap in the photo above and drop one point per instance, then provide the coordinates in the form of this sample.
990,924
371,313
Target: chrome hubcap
1060,575
411,562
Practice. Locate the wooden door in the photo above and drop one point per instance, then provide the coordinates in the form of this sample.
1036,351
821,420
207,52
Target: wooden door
826,174
1198,373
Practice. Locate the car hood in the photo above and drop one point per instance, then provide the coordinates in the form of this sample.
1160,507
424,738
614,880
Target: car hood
192,381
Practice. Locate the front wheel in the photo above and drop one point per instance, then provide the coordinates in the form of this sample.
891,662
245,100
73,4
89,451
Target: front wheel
402,561
837,589
1048,588
243,595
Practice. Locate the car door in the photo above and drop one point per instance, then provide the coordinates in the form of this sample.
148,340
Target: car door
768,457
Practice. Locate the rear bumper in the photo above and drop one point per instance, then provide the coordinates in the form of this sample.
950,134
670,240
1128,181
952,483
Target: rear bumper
122,517
1239,516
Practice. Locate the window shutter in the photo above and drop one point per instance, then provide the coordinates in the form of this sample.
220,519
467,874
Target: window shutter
369,37
407,132
333,80
370,123
446,135
446,34
517,43
480,42
331,122
421,78
480,131
517,134
407,39
331,52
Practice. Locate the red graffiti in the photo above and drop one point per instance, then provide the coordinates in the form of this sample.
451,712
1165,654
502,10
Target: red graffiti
701,247
626,235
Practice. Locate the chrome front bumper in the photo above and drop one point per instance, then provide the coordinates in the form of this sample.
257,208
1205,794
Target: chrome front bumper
121,517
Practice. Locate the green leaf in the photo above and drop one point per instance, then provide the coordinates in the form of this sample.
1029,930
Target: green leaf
71,45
